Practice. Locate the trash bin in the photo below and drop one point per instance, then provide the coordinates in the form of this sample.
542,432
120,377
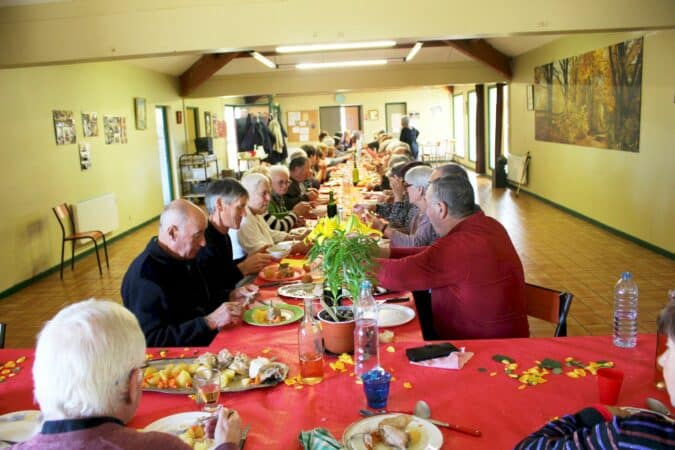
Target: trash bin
499,174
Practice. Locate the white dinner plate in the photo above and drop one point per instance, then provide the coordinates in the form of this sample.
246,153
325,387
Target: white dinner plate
431,439
19,426
633,410
298,232
394,315
177,424
300,290
319,210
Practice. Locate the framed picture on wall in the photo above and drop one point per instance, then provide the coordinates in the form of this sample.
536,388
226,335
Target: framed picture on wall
139,110
530,97
373,114
207,124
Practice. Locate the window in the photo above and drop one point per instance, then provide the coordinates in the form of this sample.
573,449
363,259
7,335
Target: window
458,124
492,124
472,125
505,125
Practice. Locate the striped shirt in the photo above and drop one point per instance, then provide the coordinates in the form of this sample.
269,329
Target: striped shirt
278,217
588,430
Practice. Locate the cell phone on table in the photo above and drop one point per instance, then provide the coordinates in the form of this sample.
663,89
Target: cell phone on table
430,351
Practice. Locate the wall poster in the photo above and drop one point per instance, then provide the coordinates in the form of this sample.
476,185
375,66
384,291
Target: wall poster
592,99
115,129
90,124
64,127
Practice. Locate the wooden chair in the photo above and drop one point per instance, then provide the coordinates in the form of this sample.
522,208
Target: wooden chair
549,305
64,215
3,327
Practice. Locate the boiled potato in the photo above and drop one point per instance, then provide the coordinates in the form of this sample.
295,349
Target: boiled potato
183,379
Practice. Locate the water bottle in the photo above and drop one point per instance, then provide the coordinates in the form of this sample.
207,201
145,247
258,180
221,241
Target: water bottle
625,311
366,335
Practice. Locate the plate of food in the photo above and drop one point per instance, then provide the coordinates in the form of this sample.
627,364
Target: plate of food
238,372
188,426
19,426
392,431
300,290
273,315
389,315
281,272
298,232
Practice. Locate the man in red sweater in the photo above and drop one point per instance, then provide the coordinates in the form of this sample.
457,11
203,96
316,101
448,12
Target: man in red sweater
473,271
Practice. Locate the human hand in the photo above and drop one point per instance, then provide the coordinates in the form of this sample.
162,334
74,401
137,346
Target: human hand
244,294
228,427
616,411
255,262
221,317
302,209
397,187
299,248
312,194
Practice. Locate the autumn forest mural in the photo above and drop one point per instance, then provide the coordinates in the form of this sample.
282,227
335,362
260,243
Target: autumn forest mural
592,99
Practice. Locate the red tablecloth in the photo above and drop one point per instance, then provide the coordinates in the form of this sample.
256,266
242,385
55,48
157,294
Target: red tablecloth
494,404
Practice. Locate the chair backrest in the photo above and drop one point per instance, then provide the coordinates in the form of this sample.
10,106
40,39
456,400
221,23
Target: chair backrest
549,305
65,217
3,327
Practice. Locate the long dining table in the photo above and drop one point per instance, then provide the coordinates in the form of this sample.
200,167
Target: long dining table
480,395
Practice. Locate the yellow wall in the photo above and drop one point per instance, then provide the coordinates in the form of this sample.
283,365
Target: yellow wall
215,107
433,104
631,192
37,174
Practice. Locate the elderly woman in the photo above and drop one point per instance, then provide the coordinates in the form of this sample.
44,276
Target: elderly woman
278,217
400,213
609,427
420,232
88,374
254,234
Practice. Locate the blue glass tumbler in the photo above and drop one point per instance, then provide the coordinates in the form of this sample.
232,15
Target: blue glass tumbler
376,386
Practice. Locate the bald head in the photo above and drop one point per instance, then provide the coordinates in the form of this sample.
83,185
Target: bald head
181,229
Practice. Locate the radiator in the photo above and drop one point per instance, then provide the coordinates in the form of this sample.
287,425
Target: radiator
98,213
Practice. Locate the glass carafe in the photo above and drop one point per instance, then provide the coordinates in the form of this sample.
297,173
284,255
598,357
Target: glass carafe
310,347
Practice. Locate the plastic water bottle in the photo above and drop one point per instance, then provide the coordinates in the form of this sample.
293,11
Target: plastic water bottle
366,335
625,311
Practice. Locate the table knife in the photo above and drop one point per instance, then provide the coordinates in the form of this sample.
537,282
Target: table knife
244,435
459,428
393,300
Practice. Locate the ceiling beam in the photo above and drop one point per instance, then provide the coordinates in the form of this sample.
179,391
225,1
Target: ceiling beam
482,51
202,70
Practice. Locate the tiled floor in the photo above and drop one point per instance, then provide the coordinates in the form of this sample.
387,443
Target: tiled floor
557,250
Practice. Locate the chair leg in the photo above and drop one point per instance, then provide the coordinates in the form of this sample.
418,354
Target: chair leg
72,255
105,250
63,248
98,259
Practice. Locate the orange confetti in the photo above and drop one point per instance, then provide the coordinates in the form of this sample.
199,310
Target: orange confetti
20,359
407,385
265,351
391,349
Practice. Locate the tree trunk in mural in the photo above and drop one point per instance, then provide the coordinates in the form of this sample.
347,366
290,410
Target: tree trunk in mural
626,67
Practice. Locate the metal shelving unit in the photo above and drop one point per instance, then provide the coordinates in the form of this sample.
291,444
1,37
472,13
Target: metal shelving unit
196,170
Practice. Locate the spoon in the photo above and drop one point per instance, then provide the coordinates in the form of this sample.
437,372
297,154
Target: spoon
657,406
423,411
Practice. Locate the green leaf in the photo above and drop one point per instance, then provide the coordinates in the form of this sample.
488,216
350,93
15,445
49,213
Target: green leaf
557,370
482,369
549,363
501,358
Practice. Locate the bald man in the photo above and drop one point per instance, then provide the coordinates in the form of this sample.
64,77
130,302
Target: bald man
165,288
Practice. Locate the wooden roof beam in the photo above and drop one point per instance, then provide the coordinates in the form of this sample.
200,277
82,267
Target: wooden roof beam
202,70
481,50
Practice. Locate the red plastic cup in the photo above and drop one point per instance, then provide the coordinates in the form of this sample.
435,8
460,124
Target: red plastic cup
609,385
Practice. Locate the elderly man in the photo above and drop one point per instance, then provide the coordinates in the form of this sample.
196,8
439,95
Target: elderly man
226,204
474,273
71,351
409,136
164,286
300,170
278,217
254,235
420,232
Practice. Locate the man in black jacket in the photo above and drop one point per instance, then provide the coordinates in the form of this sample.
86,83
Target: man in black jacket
300,170
165,288
409,136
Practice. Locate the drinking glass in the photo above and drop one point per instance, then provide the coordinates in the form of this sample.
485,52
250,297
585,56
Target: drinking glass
376,387
207,384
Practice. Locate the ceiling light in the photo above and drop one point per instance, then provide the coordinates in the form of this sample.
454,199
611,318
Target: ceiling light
334,46
334,64
263,59
413,51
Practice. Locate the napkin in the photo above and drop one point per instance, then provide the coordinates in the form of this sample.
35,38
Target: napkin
318,439
454,360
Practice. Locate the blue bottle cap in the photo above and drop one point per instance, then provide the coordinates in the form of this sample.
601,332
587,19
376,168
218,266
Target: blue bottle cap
366,284
626,276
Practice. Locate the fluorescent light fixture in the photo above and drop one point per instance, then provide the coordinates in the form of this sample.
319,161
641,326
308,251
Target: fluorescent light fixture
413,51
263,59
335,46
336,64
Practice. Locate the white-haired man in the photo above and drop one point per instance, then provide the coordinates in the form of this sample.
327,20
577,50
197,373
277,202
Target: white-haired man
254,235
164,286
84,407
278,217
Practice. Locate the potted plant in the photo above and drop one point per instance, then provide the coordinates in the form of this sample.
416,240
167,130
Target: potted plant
347,249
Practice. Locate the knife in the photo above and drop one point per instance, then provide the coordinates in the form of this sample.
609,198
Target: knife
244,434
459,428
277,283
393,300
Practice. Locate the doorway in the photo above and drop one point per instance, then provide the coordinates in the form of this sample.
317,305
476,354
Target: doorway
393,113
339,118
166,174
191,128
